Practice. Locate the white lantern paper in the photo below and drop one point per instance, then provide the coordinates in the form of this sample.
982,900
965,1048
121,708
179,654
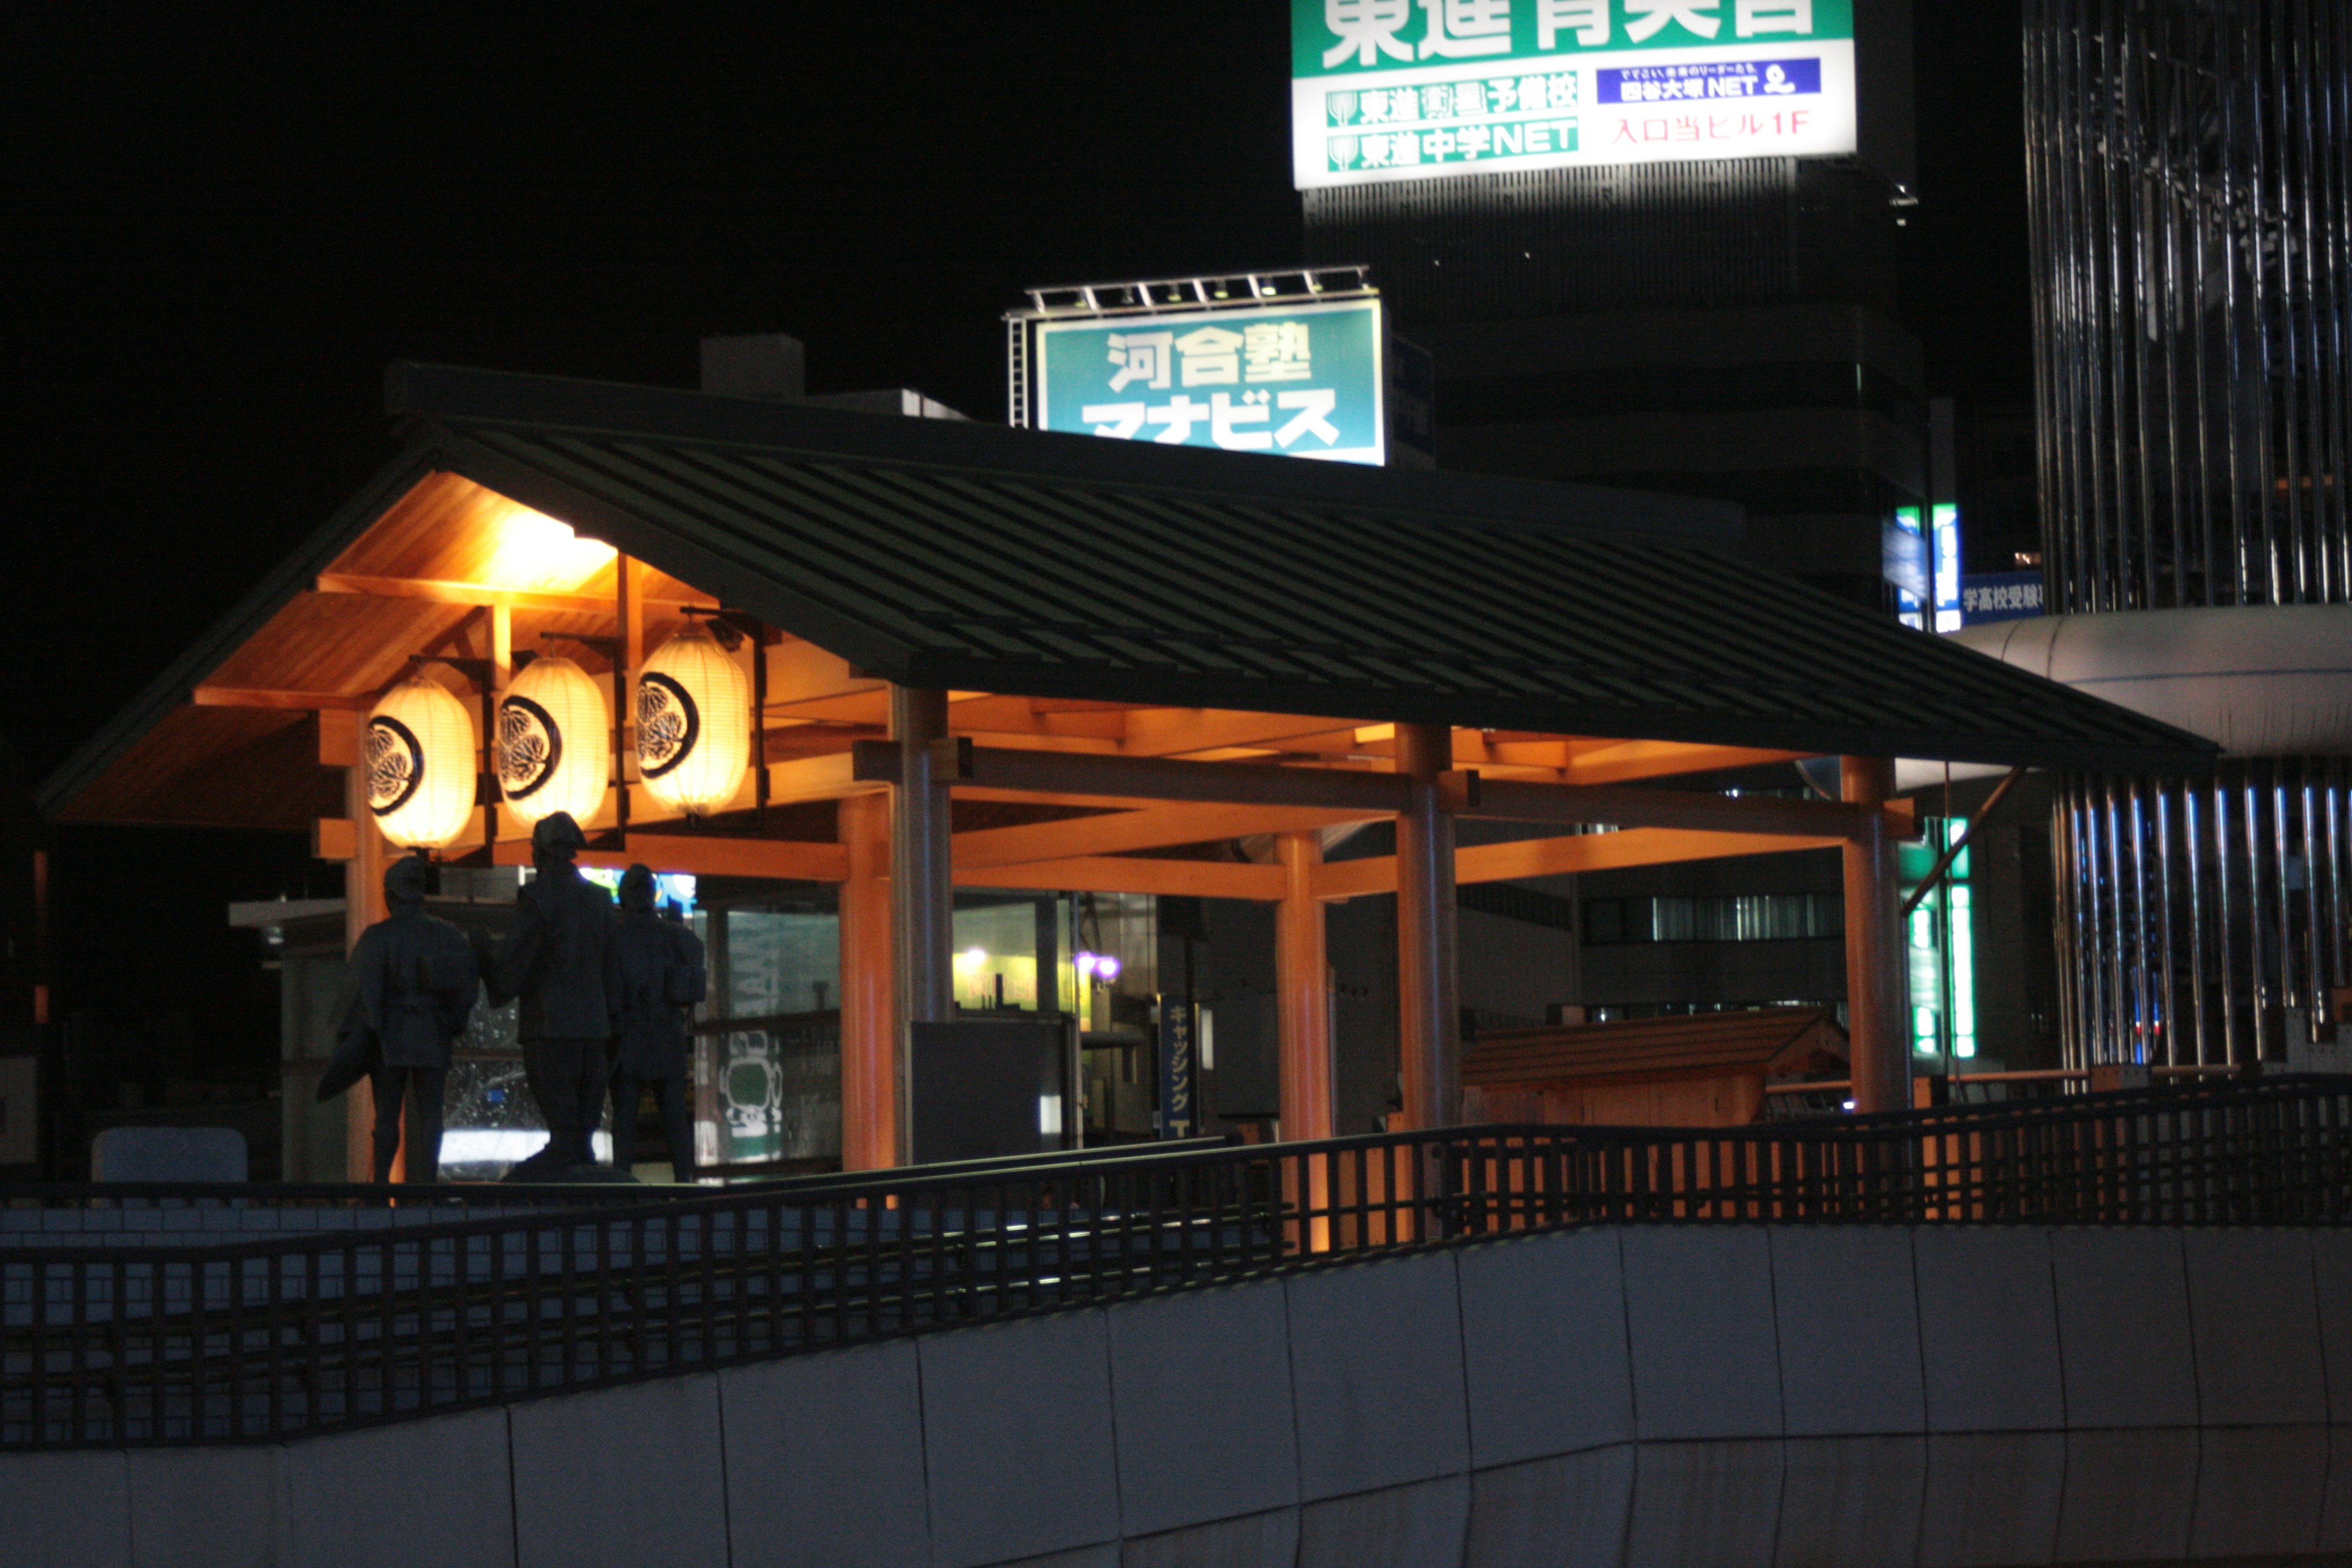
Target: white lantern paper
420,764
554,742
693,723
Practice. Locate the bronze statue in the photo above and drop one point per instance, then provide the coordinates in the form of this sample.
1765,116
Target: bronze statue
560,958
415,981
662,977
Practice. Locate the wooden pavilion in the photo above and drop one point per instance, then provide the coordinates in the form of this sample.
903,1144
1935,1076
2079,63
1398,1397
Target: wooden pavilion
1003,659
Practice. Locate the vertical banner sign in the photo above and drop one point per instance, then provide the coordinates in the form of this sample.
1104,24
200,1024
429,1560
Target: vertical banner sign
1410,90
1177,1064
1303,382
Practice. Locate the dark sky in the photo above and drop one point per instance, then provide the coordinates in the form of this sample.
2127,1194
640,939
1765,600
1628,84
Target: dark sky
220,225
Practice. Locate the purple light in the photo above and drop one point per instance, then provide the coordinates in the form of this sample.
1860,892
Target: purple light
1106,967
1084,963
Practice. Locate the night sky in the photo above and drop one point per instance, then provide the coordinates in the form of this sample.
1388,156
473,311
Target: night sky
221,223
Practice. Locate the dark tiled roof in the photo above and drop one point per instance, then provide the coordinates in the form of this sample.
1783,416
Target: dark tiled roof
936,553
963,556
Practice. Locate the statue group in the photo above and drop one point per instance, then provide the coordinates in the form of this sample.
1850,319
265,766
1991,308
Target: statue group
605,997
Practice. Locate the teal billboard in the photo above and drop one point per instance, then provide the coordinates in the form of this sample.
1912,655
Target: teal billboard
1305,381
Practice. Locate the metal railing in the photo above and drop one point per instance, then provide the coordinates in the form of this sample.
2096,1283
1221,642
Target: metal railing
292,1334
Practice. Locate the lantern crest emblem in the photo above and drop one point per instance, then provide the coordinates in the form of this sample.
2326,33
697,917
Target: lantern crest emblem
670,722
531,747
552,729
693,723
395,764
420,765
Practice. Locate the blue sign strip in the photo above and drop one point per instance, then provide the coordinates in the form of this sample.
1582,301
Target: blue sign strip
1711,81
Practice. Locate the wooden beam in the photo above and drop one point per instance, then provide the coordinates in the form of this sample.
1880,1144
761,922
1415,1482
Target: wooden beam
1171,731
789,859
870,1038
283,702
482,594
1628,760
1122,874
1155,829
826,777
1512,800
1302,987
1161,778
1552,857
802,672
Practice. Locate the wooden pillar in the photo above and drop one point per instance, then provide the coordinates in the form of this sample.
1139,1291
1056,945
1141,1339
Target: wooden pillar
922,889
363,907
869,1037
1303,992
1876,986
1429,1018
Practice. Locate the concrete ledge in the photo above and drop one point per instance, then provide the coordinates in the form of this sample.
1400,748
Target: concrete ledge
2331,1259
65,1509
825,1460
1698,1310
1201,1394
1851,1501
1017,1436
1848,1313
1103,1556
206,1508
1543,1346
1704,1503
1552,1513
1988,1331
2254,1315
1416,1526
1256,1540
1992,1497
1376,1371
2262,1492
356,1500
620,1477
2129,1497
2123,1328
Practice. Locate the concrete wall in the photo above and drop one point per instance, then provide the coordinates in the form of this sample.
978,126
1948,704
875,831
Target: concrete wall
1678,1395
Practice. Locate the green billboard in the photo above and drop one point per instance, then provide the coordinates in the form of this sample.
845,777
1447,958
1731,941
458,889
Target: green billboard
1392,90
1302,380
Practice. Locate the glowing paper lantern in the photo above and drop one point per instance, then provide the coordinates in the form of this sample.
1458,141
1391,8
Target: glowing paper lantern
554,742
420,765
693,723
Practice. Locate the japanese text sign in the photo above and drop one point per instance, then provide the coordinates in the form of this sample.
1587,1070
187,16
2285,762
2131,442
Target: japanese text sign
1393,90
1302,380
2000,596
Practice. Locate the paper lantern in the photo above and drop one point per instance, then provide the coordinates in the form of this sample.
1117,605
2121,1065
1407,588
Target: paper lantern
694,724
420,764
554,742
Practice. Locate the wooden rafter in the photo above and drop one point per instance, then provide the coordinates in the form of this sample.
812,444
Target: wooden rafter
481,594
1155,829
1121,874
1553,857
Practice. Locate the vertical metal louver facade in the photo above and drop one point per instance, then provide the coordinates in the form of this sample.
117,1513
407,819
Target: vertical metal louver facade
2193,231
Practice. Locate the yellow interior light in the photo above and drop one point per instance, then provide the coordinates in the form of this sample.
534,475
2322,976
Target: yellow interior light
535,554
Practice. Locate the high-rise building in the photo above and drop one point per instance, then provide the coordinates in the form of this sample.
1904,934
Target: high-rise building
1655,246
2193,231
1699,297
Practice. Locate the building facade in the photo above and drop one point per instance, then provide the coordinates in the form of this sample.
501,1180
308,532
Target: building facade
2192,233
